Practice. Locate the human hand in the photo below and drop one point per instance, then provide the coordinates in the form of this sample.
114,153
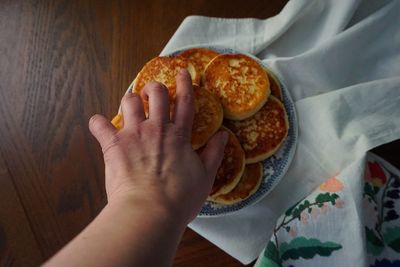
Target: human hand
151,161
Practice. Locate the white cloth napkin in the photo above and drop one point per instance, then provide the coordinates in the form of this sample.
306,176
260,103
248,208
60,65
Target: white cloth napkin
340,61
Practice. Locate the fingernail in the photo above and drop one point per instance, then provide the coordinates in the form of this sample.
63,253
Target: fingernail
183,72
93,118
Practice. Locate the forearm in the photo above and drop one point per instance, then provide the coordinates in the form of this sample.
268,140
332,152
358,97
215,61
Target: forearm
124,235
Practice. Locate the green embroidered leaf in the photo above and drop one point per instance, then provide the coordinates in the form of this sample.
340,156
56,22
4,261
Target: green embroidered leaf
376,189
335,196
271,254
303,206
265,262
392,238
374,243
395,245
296,213
323,197
326,197
301,247
391,234
289,211
369,190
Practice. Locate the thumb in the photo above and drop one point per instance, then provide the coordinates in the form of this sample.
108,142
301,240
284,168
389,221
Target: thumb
213,153
102,129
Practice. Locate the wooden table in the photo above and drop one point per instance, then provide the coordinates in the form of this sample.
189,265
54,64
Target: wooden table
61,61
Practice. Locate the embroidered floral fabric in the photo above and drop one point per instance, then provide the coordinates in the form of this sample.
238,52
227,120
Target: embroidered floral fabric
352,219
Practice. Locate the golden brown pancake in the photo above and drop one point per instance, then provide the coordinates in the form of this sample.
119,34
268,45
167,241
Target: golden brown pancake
199,57
248,185
231,169
117,121
275,86
262,134
208,116
163,70
240,82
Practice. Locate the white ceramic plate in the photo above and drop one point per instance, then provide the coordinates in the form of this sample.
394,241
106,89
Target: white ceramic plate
275,166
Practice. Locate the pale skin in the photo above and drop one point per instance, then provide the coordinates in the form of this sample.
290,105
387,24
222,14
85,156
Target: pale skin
155,183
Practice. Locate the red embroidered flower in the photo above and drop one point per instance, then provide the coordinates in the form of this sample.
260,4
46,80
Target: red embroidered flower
376,174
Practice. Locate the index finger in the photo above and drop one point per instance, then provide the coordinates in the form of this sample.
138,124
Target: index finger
184,103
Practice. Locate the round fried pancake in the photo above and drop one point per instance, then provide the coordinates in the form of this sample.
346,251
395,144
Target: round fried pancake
207,118
117,121
231,169
275,86
163,70
240,82
199,57
262,134
248,185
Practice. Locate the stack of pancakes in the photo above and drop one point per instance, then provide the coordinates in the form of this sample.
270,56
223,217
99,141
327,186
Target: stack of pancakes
233,93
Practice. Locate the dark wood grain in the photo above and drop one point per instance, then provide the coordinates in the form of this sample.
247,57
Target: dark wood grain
194,250
16,238
61,61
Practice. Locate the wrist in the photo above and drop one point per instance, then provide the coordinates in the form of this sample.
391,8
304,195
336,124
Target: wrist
152,210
